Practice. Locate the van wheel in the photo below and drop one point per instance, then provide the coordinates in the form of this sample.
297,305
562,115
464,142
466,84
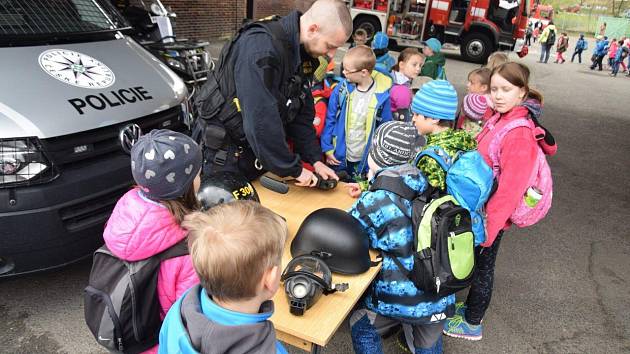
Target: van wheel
476,48
370,24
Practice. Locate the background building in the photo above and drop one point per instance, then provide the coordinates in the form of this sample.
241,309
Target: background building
219,19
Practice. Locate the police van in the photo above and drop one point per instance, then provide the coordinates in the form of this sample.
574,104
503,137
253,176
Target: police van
75,93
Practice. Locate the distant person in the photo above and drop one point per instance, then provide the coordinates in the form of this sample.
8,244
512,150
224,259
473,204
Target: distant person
563,45
357,106
580,46
434,62
479,84
612,52
602,29
359,37
620,56
536,32
496,59
528,34
407,69
474,108
384,60
547,40
146,221
599,53
236,249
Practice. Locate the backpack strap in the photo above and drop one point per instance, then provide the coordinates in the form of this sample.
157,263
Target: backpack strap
176,250
439,155
383,182
495,145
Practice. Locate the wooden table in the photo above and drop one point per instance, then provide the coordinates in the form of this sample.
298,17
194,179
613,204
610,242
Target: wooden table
316,327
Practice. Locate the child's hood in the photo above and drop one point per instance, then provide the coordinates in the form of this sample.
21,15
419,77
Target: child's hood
140,228
204,335
453,139
406,174
400,78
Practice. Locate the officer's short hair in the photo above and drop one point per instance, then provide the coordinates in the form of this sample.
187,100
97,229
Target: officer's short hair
362,57
333,12
233,245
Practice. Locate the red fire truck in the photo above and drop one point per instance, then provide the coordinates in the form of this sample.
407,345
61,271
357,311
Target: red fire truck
480,27
542,13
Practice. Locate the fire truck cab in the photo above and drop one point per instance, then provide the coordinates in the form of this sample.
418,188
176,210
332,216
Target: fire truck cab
479,27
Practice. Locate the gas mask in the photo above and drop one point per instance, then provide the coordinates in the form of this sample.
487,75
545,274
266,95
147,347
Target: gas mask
305,279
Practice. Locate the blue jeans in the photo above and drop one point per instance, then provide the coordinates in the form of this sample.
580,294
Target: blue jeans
615,67
367,327
544,53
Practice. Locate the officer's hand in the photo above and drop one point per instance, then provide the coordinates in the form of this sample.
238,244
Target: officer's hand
306,179
324,171
331,160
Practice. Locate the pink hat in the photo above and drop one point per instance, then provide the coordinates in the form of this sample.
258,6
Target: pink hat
475,106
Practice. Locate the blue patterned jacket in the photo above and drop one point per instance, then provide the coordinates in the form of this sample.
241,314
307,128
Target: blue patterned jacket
387,219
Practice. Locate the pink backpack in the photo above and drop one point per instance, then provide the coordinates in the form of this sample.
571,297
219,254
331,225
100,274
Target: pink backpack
540,177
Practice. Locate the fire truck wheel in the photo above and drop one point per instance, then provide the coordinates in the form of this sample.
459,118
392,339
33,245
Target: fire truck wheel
476,47
370,24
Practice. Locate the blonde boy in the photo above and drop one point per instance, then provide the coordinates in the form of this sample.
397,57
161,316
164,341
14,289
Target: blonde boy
236,250
357,106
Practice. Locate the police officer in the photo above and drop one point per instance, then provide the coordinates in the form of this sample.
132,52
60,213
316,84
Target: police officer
272,95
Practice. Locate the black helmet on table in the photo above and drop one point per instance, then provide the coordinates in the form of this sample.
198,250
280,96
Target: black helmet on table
222,187
336,237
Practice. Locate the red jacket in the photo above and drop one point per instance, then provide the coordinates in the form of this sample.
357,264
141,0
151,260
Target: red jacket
518,156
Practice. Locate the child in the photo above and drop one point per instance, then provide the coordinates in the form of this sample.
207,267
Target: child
146,220
513,99
599,52
434,108
386,217
563,45
620,56
358,105
434,62
359,38
612,51
580,46
408,67
478,83
474,108
384,61
495,59
236,250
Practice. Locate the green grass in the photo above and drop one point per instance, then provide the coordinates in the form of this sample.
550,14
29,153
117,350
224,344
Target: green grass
579,23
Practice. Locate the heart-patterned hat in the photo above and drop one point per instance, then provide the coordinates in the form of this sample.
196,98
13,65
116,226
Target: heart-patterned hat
164,163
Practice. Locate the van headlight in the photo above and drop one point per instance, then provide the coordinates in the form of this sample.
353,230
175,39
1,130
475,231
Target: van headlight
23,161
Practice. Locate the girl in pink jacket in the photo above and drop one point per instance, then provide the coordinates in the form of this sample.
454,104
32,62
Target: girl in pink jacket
146,221
513,99
409,64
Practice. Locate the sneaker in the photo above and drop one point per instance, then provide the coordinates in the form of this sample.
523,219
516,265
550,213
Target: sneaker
457,327
460,309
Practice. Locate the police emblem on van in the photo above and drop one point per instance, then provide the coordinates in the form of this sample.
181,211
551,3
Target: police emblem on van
76,69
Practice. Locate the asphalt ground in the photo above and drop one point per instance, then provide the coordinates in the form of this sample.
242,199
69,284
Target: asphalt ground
561,286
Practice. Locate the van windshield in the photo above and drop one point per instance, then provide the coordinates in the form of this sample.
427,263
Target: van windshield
35,18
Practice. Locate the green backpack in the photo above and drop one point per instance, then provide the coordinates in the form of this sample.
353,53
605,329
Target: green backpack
444,251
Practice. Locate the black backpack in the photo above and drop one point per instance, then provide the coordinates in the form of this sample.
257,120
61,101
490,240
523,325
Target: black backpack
121,305
551,39
444,251
216,102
